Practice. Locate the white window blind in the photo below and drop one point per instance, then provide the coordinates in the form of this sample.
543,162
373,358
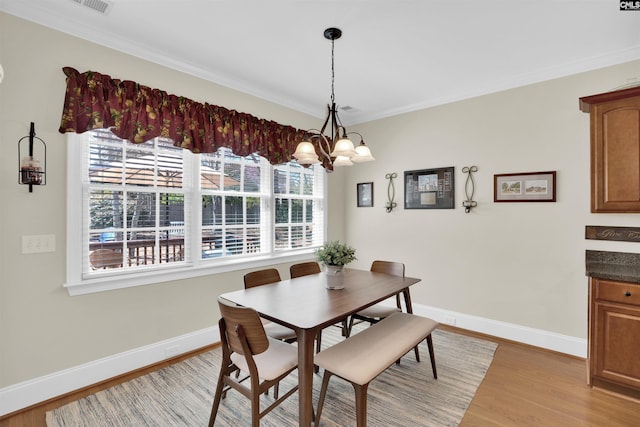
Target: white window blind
147,208
137,202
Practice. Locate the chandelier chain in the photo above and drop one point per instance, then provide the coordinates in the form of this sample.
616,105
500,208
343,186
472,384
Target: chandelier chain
333,98
344,153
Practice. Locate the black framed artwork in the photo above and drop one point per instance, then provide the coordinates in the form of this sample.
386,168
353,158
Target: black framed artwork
365,194
429,189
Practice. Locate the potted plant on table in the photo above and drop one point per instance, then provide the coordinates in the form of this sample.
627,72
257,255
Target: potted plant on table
335,255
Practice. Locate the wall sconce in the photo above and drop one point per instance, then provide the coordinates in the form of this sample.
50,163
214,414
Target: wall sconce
31,172
469,188
391,191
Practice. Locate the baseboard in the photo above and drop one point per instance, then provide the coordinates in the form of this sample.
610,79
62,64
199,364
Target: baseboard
28,393
535,337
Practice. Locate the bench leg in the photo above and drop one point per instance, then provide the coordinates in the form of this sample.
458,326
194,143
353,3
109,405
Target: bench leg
433,356
416,351
361,404
323,393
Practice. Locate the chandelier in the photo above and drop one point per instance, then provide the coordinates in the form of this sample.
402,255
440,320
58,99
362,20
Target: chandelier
343,152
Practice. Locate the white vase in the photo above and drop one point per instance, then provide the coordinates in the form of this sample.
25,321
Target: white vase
335,276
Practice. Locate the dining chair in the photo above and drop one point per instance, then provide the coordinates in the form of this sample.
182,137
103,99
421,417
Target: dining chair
265,277
261,277
272,329
246,347
305,269
381,310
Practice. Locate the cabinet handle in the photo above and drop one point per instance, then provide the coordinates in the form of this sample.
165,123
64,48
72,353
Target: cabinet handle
627,294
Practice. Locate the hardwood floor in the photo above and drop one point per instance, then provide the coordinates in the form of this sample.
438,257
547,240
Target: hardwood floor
525,386
529,386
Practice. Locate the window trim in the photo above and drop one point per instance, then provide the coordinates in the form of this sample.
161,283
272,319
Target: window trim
76,284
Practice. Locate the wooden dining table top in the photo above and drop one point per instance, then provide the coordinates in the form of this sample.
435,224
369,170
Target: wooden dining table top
306,303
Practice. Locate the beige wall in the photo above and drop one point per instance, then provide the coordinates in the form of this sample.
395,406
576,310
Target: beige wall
516,263
43,329
520,263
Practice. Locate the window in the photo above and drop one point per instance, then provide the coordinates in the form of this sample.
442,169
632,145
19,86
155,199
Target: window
152,208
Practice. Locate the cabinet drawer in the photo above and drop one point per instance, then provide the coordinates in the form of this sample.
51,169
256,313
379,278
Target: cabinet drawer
626,293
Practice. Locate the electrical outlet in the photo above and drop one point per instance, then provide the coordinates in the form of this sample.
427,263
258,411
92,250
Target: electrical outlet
38,243
450,320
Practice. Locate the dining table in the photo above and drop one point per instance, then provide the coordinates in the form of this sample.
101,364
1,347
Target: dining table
306,305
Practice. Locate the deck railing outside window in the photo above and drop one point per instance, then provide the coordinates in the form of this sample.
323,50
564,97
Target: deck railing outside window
141,198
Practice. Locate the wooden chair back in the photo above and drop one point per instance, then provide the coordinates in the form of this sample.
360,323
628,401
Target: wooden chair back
388,267
241,333
304,269
240,324
261,277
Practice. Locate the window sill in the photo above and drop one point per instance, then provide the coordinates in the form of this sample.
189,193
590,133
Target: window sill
121,280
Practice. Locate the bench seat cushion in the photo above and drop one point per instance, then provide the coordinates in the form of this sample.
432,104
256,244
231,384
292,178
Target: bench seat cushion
363,356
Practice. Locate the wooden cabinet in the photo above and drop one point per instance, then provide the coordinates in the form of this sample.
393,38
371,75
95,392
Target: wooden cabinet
615,150
614,336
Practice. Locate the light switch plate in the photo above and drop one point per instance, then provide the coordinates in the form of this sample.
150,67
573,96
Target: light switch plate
38,243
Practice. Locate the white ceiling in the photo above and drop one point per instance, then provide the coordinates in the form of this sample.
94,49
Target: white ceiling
393,57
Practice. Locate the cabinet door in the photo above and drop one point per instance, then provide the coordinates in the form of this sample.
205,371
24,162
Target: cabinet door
617,341
615,156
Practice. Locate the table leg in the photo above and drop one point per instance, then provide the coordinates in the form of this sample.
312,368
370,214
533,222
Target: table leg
407,300
306,339
407,303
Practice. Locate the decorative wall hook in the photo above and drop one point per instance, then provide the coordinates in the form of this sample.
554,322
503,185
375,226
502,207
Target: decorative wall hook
30,171
391,191
469,187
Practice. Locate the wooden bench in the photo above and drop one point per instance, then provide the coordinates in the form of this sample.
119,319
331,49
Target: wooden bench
365,355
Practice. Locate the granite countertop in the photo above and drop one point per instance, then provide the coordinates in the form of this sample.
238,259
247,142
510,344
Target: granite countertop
620,266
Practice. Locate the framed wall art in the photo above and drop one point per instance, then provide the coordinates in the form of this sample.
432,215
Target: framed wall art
429,189
525,187
365,194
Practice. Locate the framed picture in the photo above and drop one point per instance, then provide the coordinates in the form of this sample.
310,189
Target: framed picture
525,187
429,189
365,194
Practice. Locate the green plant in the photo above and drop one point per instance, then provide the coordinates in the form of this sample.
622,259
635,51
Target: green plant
336,253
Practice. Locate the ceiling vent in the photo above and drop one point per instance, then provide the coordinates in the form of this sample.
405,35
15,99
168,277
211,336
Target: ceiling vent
98,5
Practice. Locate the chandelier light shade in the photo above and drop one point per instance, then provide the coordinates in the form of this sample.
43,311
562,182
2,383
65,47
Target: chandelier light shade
336,147
305,154
363,154
344,147
342,161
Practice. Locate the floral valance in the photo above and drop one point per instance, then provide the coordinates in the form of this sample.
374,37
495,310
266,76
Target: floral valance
139,113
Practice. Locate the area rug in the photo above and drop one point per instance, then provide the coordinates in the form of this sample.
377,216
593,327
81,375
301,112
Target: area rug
403,395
